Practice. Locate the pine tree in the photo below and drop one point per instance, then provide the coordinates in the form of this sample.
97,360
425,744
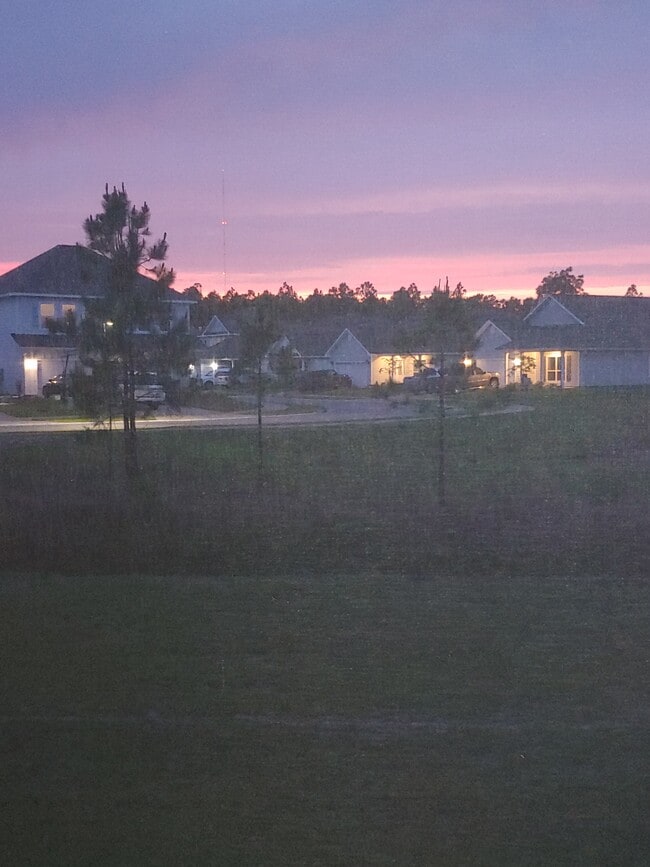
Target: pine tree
123,325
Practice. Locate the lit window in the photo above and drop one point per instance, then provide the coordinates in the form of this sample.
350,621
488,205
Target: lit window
553,368
46,311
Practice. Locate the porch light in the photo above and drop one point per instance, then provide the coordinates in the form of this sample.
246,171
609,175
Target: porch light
517,361
214,365
467,362
190,367
30,364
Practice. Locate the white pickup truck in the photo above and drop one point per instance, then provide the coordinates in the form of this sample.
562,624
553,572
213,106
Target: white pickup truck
150,395
148,391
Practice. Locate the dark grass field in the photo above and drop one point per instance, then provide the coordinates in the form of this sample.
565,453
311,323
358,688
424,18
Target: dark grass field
562,488
323,667
358,719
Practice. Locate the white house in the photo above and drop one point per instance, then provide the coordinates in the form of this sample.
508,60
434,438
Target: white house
368,351
572,341
53,285
369,358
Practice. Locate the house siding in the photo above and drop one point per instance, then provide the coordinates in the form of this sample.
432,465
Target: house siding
349,356
21,315
15,316
491,351
614,368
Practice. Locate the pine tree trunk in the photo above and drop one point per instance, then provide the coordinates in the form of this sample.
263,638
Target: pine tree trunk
130,434
260,439
441,434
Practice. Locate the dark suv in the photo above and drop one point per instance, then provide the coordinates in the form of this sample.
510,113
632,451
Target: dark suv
427,379
57,386
322,380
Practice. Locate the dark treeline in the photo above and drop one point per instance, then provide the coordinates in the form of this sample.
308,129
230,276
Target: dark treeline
341,300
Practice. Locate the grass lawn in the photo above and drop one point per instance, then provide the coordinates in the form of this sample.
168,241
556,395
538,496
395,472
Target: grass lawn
322,666
357,719
38,407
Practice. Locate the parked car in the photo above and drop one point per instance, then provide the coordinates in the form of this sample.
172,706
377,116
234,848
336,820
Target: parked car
462,377
222,376
322,380
57,386
426,380
457,377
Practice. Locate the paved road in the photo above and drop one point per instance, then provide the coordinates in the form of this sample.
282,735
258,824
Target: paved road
279,411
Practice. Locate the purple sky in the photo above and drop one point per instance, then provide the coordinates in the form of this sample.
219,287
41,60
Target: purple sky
394,142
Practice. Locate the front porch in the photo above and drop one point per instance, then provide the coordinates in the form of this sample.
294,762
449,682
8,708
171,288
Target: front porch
558,367
395,368
42,357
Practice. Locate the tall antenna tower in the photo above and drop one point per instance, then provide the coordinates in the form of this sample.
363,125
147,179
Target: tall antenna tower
224,223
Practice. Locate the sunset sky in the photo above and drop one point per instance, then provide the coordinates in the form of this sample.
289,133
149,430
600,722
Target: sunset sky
490,141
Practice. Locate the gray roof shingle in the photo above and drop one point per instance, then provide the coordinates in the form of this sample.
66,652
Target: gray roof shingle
66,270
610,322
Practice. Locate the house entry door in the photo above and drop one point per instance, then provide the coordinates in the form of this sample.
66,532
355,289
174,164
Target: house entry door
32,368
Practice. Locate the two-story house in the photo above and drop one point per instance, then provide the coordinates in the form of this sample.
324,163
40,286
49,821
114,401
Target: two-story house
52,286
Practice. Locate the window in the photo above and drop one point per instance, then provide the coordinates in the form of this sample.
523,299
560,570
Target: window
68,311
554,368
46,311
392,365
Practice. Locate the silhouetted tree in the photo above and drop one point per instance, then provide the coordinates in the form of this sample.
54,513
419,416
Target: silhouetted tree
132,303
405,300
633,292
447,329
367,295
563,282
258,331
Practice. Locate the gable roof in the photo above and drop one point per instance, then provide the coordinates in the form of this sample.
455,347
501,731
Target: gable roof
215,328
378,334
67,270
601,322
348,341
549,310
229,347
490,324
